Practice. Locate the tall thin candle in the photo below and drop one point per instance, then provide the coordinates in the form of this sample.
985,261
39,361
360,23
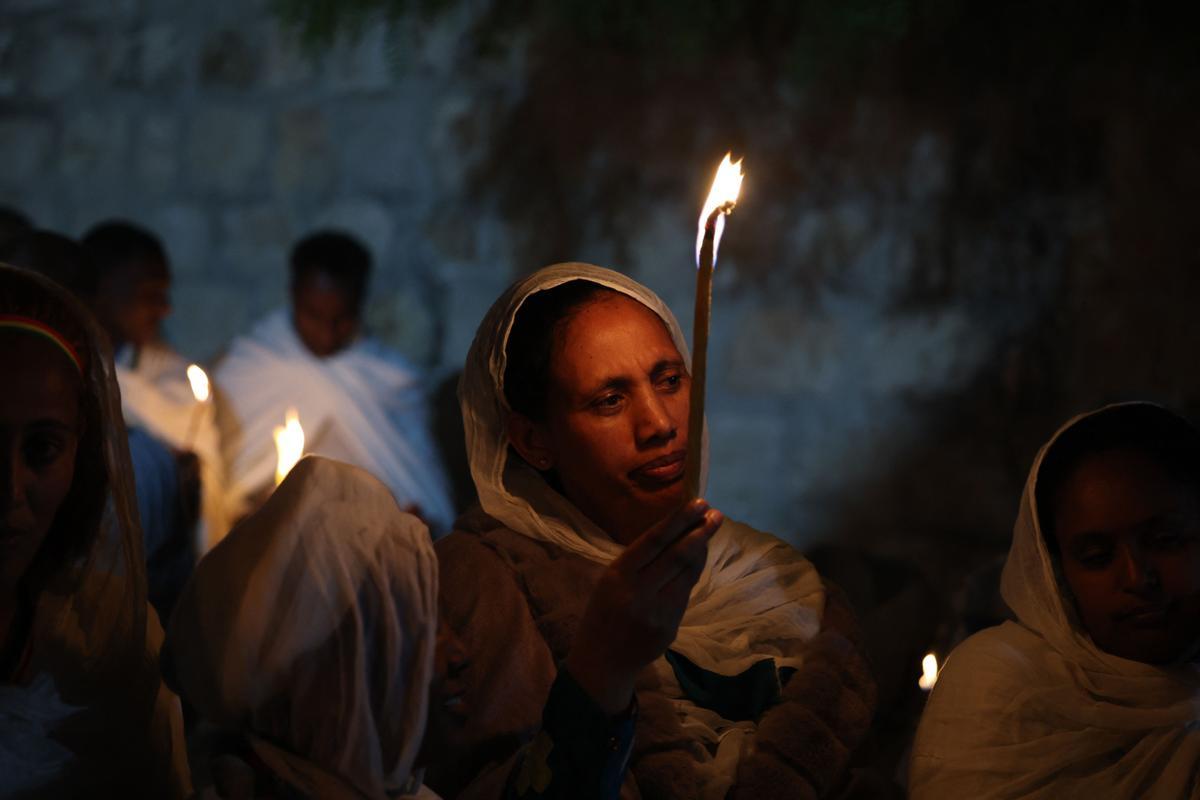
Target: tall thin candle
722,198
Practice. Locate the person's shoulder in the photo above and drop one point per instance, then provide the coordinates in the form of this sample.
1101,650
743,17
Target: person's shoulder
984,699
263,331
158,359
469,539
989,667
1009,647
747,541
370,349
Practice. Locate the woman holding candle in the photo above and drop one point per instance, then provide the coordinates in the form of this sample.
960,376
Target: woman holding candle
311,637
576,404
1093,691
82,708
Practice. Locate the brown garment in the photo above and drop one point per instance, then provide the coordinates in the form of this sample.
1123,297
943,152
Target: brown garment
517,603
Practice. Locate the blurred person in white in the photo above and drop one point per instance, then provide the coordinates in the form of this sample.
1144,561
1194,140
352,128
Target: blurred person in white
83,710
1093,691
127,284
358,401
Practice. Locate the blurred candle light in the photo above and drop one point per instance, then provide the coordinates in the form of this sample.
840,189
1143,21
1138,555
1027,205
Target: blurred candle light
201,391
929,672
722,198
289,444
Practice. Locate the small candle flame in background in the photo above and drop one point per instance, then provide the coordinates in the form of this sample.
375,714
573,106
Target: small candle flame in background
200,390
929,672
199,381
723,196
289,444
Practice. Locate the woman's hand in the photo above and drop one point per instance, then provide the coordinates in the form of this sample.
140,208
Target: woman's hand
634,611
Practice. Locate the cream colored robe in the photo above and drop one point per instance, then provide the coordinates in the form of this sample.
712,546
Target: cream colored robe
1033,709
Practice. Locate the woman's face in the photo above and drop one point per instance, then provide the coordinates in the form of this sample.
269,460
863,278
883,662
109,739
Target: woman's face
616,427
40,419
1129,543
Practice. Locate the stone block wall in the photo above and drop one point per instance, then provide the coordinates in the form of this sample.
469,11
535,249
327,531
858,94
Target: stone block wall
914,291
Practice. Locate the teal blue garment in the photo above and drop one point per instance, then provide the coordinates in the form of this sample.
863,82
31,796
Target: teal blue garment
744,696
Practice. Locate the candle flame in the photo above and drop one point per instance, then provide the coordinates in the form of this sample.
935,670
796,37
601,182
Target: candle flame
929,672
199,382
723,196
289,444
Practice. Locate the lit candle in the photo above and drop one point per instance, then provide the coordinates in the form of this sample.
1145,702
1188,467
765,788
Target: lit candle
722,197
200,390
929,672
289,445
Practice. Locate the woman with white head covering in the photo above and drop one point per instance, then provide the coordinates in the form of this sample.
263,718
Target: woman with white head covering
82,707
311,634
574,399
327,592
1094,690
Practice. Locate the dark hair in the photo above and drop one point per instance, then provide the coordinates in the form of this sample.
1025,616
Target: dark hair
1166,438
60,259
336,255
78,520
530,346
117,244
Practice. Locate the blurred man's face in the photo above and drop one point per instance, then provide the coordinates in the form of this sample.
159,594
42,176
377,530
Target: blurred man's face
325,315
133,300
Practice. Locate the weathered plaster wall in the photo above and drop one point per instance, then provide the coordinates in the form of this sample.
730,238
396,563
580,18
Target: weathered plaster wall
916,288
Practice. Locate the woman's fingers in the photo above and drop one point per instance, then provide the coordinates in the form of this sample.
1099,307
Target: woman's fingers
651,544
686,556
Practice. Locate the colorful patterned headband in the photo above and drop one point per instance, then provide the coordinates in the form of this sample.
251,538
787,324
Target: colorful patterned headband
30,325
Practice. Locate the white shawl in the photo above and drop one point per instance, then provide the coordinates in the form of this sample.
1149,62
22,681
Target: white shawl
311,629
1035,709
156,396
757,597
364,405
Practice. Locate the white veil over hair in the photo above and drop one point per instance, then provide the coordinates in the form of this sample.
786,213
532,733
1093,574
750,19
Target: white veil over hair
311,629
1034,709
757,598
89,705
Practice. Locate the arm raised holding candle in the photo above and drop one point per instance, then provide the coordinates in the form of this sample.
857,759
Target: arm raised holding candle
575,397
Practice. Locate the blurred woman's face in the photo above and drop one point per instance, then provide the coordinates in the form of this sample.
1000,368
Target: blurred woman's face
1129,542
40,420
616,427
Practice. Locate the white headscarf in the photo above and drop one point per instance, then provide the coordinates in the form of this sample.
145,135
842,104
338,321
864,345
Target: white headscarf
1036,709
90,705
757,598
311,628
